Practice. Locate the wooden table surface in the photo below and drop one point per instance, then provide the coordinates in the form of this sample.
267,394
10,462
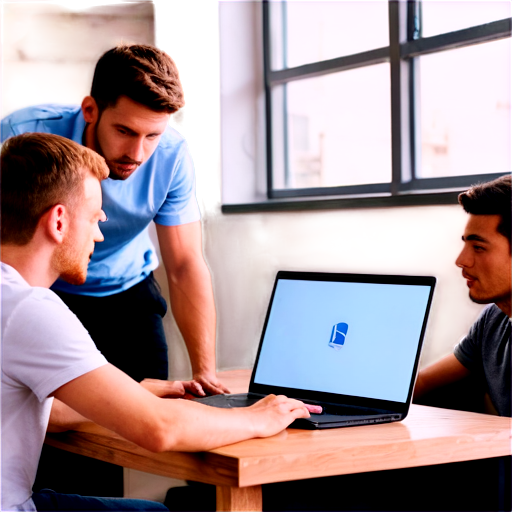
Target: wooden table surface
427,436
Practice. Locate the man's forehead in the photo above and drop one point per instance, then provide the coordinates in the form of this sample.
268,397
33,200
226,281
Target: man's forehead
92,186
482,227
126,111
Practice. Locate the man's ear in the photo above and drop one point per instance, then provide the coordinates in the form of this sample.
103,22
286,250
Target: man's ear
56,223
90,110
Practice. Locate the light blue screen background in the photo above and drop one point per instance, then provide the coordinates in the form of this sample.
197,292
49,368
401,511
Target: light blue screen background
377,359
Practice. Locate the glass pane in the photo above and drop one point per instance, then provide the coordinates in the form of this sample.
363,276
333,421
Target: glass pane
337,130
438,17
465,110
303,32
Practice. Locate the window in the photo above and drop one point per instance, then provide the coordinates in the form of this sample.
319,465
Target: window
383,103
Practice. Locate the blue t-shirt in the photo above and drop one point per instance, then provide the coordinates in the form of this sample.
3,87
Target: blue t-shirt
161,189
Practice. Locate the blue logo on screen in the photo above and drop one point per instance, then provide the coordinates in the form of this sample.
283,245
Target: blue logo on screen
338,335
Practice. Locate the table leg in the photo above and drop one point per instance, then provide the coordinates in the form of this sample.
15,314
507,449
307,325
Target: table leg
239,498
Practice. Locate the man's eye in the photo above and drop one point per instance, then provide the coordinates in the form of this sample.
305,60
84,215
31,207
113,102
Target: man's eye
478,248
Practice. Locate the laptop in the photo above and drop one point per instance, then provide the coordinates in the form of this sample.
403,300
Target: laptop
349,343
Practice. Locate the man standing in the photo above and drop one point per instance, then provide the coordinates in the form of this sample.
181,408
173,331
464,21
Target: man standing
51,206
486,264
135,89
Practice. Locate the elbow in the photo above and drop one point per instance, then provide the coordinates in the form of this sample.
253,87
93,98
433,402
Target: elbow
191,268
157,438
157,442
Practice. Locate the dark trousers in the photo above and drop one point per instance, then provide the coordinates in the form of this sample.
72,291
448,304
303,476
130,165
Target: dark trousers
48,500
127,328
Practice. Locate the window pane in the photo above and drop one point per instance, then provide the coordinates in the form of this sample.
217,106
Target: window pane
336,130
439,17
465,110
303,32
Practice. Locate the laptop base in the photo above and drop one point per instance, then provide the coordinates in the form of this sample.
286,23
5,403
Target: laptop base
315,421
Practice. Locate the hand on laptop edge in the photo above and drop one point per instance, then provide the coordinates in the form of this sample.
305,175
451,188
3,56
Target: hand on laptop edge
278,412
209,383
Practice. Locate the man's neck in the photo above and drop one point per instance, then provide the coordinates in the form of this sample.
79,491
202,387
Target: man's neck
28,263
506,307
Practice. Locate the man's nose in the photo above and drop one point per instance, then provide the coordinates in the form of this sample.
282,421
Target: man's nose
98,236
463,259
136,150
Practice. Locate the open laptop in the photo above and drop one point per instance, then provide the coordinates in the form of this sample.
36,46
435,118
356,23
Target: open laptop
347,342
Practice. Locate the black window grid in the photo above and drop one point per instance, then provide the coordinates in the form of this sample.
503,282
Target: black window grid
406,43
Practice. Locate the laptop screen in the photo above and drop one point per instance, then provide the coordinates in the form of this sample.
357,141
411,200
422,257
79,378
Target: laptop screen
352,338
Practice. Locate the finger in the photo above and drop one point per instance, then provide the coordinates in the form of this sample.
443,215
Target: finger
197,389
223,388
177,389
193,387
213,389
314,409
301,412
301,406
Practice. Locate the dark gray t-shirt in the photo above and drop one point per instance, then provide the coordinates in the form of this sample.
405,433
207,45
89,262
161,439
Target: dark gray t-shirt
486,351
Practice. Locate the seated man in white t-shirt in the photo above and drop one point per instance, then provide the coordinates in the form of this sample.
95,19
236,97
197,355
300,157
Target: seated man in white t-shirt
51,207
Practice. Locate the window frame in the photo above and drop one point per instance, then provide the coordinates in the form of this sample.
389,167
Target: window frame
406,44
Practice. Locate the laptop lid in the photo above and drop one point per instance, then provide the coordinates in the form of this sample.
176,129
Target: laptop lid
348,339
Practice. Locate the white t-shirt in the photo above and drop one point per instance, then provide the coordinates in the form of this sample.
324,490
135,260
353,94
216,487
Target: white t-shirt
44,346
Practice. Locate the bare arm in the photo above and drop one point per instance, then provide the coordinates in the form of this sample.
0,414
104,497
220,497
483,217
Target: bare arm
191,295
110,398
441,373
64,418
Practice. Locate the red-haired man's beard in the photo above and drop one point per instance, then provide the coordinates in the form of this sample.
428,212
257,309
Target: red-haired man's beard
71,262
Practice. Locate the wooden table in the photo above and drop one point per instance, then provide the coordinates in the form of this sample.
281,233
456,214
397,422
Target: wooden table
427,436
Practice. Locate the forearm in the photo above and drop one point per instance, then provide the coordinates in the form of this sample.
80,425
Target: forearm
110,398
64,418
200,427
441,373
193,307
191,295
207,428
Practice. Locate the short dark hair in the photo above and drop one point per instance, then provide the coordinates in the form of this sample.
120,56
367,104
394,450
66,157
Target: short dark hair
143,73
491,198
38,171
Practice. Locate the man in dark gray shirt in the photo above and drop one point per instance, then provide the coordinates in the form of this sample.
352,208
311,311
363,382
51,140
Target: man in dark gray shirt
486,264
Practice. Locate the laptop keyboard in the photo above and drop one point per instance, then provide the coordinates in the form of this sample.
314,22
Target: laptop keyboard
338,410
251,398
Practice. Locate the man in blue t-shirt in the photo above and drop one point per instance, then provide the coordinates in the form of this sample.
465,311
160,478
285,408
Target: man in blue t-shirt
486,265
135,89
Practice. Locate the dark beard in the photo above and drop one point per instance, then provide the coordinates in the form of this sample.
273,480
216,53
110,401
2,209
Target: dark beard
490,300
111,164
